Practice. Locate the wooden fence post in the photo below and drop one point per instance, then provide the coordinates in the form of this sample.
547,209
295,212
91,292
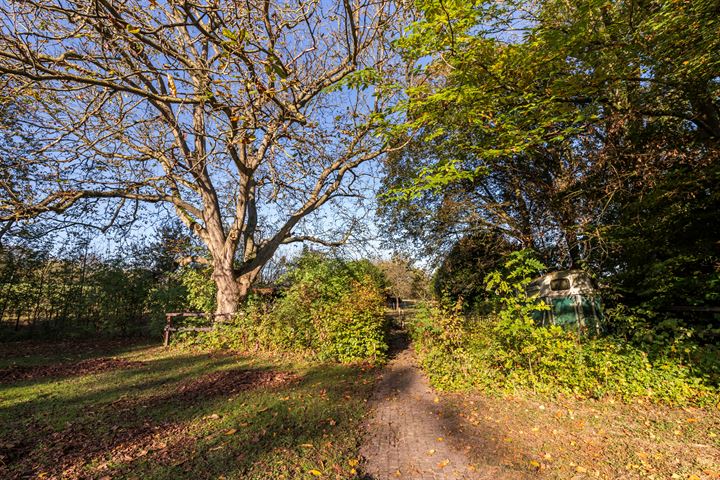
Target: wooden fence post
168,326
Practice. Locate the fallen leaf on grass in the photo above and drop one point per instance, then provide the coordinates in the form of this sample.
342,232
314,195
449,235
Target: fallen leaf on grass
232,431
353,462
444,463
307,445
315,473
535,464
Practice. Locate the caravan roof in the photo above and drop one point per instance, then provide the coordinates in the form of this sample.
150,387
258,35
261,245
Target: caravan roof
562,283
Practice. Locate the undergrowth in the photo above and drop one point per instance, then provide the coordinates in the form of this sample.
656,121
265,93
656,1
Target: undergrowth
505,351
331,310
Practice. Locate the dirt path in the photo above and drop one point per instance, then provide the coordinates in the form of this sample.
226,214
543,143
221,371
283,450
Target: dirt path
407,436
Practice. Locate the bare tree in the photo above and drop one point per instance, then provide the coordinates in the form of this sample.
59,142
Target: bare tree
404,280
244,117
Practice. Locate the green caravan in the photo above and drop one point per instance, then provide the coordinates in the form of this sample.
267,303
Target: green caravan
573,301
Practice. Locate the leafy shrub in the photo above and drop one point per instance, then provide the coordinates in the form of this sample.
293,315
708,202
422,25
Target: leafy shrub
506,351
200,288
331,309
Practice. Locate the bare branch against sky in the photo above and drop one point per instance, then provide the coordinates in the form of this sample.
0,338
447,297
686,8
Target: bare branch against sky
243,117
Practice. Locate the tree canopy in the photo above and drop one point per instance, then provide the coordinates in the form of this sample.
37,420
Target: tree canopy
560,125
242,118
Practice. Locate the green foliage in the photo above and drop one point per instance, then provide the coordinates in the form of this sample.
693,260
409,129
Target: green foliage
510,285
493,356
587,130
506,351
461,275
667,241
76,292
332,309
200,288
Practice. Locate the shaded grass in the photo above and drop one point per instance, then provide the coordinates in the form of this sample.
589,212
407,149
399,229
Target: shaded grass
186,415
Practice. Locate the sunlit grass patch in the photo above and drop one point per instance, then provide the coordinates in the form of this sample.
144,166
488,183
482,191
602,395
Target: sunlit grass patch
186,415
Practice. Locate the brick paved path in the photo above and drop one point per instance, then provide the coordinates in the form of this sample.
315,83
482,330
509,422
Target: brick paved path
406,437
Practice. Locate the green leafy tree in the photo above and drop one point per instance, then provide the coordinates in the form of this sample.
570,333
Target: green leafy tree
561,124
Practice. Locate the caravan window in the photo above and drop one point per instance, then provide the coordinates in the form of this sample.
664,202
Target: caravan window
559,284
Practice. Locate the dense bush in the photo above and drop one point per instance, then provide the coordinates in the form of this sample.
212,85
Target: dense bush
331,309
506,351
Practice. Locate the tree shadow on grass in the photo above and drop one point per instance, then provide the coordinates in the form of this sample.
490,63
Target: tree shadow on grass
194,417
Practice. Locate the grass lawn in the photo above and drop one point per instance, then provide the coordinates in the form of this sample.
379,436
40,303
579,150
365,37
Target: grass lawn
116,411
586,439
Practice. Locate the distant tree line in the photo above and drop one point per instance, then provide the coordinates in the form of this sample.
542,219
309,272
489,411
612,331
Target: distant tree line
78,291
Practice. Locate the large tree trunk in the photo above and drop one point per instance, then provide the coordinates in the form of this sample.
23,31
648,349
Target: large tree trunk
232,289
229,293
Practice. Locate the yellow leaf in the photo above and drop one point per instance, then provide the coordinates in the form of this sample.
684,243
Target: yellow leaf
307,445
580,469
353,462
314,473
444,463
693,477
232,431
535,464
131,29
